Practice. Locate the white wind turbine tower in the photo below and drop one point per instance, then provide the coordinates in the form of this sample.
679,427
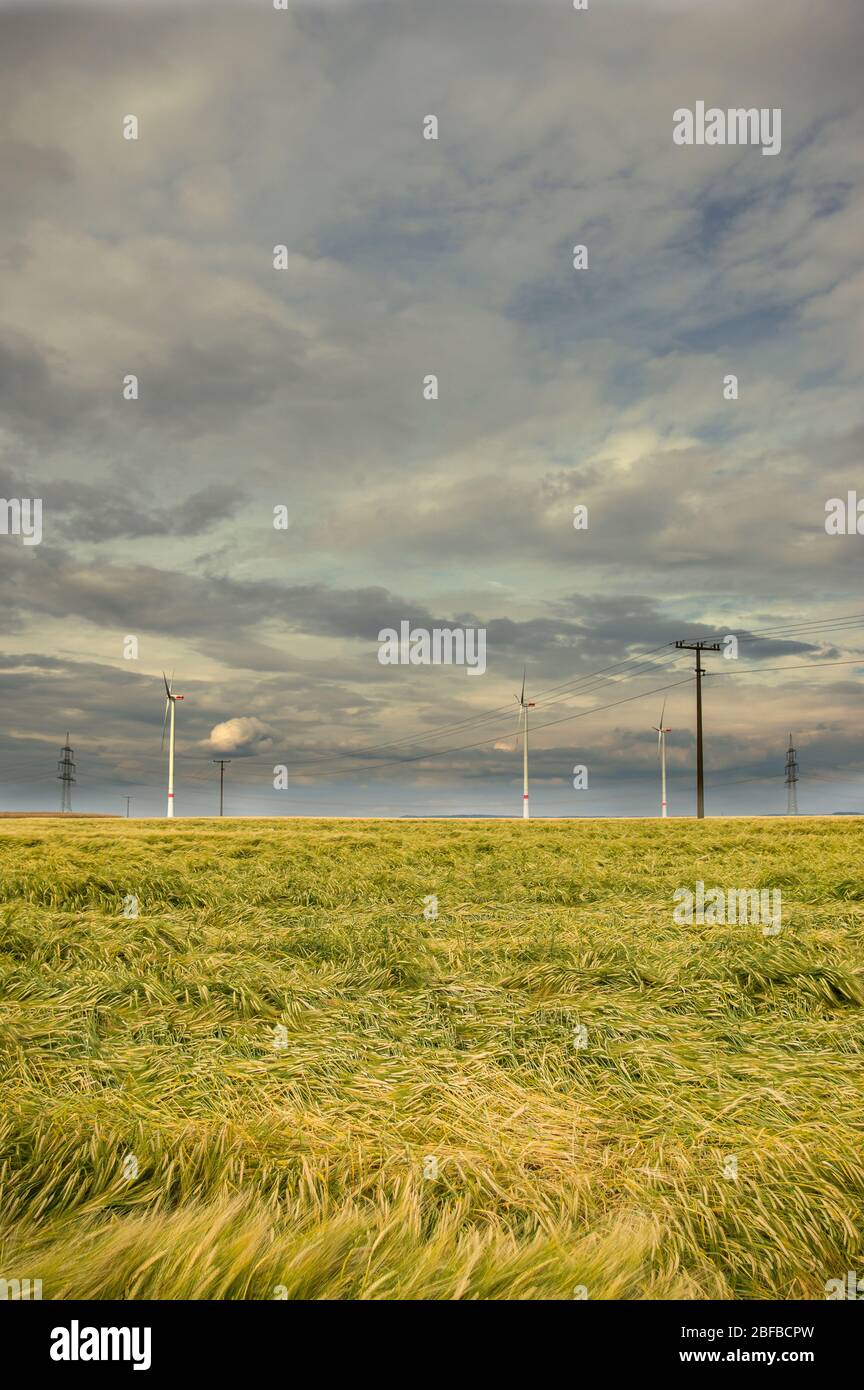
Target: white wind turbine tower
524,706
170,701
661,753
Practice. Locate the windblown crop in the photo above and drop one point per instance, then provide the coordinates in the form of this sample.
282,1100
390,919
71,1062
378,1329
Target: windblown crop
281,1079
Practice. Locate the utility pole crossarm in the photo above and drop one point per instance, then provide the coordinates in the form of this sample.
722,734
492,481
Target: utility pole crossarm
699,648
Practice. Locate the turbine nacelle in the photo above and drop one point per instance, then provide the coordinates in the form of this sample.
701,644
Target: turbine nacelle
169,693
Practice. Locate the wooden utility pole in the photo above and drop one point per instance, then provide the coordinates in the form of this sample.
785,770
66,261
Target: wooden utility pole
699,648
222,762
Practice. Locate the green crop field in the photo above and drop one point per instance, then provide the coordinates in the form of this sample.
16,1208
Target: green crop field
281,1079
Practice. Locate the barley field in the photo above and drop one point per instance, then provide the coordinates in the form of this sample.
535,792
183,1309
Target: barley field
281,1079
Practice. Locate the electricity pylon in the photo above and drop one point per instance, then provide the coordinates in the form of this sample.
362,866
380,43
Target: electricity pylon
66,773
791,780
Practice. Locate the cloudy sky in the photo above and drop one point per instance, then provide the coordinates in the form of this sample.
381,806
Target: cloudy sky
303,388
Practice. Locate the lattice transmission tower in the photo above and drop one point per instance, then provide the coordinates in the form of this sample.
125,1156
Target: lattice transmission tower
791,780
66,773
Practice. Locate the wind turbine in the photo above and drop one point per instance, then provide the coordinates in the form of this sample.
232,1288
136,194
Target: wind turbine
524,706
661,753
170,701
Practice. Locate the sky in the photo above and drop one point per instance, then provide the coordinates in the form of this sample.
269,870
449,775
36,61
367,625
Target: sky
302,388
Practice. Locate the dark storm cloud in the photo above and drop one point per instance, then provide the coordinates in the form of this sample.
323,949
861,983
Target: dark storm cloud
84,512
34,401
142,598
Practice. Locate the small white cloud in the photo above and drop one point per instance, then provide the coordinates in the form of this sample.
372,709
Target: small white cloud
243,735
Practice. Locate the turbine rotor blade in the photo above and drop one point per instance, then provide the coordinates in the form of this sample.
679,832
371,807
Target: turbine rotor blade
520,720
522,696
165,720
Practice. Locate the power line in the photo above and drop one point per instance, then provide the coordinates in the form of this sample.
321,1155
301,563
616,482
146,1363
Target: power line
576,686
596,709
482,718
813,622
798,666
461,748
630,668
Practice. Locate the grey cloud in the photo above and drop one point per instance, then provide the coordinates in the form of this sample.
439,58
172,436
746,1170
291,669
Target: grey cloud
406,258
